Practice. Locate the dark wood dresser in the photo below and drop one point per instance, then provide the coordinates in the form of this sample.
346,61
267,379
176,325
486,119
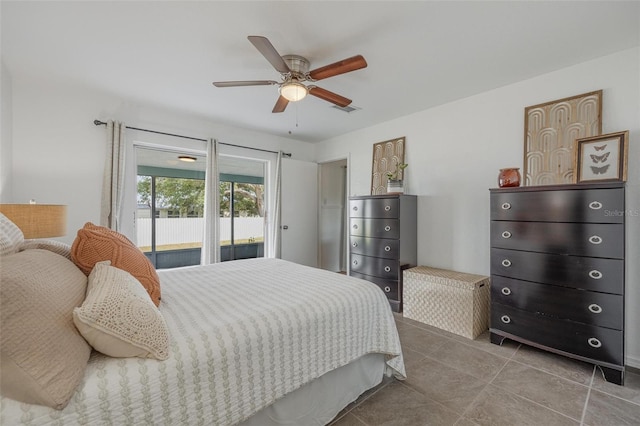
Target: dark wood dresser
383,241
557,271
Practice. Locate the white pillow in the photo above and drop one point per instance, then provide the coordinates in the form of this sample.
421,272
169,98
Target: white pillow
118,318
58,247
10,236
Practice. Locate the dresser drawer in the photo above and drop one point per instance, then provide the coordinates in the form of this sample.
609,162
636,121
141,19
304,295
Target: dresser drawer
376,267
589,307
578,205
597,343
376,247
589,273
390,287
375,228
375,208
580,239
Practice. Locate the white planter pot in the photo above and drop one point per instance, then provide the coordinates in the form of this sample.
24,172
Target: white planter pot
395,187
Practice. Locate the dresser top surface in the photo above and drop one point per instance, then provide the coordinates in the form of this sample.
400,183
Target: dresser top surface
567,187
369,197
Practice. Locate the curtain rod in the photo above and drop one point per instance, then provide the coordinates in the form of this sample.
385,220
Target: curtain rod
102,123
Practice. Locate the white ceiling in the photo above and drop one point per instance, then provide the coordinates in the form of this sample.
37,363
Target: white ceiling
420,53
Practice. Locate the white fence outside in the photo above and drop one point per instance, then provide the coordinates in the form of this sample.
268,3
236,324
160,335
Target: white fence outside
189,229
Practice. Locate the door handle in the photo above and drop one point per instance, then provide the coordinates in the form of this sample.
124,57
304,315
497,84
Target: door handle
285,227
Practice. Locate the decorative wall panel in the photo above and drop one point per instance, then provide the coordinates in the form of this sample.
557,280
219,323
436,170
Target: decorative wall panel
550,131
386,157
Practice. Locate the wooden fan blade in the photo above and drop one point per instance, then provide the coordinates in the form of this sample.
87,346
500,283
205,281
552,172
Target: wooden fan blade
328,96
280,105
265,47
346,65
244,83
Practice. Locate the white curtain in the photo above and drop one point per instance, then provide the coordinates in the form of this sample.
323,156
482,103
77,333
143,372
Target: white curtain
113,182
273,241
211,238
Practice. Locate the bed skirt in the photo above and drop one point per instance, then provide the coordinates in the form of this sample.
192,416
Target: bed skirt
318,402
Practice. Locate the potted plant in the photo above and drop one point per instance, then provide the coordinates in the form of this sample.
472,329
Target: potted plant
395,181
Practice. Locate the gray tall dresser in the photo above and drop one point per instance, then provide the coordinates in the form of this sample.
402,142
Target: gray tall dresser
383,241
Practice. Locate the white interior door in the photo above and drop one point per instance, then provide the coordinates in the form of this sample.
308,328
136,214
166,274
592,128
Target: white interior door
299,212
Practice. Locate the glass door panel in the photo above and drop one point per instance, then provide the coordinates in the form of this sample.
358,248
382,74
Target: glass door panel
169,219
242,218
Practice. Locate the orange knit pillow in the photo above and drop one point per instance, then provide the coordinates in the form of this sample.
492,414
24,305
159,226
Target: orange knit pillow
96,243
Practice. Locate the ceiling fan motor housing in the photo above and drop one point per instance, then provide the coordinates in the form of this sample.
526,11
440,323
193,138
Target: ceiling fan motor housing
298,65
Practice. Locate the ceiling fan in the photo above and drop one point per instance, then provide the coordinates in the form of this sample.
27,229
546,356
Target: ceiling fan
294,70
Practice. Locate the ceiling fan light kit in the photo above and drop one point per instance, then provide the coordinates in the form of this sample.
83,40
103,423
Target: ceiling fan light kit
294,70
293,91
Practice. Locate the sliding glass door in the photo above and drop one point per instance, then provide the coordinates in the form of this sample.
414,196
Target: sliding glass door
169,217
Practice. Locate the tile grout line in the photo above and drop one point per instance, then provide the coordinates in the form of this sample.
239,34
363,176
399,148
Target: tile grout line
586,402
550,373
490,382
524,397
613,395
433,401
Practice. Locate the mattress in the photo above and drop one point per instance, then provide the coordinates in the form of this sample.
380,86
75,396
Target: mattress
243,335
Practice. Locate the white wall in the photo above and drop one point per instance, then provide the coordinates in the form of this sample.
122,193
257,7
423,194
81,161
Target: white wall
455,150
6,142
59,154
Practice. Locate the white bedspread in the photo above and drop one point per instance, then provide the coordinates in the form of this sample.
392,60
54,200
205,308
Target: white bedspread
243,334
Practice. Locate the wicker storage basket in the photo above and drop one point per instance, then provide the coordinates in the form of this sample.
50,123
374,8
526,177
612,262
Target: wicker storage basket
453,301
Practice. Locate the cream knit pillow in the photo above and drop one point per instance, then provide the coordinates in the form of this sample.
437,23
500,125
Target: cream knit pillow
118,317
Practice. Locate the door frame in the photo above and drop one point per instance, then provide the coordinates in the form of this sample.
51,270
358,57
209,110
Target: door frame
347,194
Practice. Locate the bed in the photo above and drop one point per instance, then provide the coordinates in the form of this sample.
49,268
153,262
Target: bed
251,342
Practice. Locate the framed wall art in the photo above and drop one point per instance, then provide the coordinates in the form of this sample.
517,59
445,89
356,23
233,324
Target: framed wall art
601,158
386,157
550,131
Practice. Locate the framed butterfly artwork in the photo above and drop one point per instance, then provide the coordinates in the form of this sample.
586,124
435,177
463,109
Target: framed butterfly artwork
601,158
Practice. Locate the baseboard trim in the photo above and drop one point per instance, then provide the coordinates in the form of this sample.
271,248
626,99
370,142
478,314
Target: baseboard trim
633,364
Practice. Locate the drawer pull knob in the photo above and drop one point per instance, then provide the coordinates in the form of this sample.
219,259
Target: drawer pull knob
387,248
355,208
596,309
355,262
593,342
594,239
505,319
355,226
387,268
506,291
506,234
506,263
355,244
387,228
595,205
595,274
387,289
505,206
387,208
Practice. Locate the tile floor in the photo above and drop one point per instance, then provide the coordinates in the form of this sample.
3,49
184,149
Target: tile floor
456,381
